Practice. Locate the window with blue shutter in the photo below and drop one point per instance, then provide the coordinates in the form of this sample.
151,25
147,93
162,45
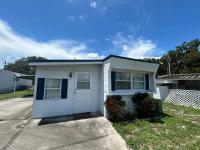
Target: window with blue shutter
64,88
147,81
40,89
113,79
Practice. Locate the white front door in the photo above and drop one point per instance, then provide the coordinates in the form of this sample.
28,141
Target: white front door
83,92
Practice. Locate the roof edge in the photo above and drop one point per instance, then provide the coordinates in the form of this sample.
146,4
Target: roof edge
128,58
88,60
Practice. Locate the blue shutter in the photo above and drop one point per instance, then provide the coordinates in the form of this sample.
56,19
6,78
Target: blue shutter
113,80
64,88
40,89
147,81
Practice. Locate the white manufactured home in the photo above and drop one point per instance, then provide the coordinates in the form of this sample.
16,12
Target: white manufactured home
64,87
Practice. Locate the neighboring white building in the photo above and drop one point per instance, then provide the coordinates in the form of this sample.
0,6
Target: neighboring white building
64,87
179,89
10,81
176,81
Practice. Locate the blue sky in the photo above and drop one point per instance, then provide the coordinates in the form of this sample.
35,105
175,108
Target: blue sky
63,29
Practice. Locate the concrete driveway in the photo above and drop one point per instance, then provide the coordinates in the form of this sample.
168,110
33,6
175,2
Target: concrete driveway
14,114
15,109
92,133
58,133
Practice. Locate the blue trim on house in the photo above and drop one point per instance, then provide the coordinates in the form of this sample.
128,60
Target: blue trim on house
147,81
113,80
40,89
64,89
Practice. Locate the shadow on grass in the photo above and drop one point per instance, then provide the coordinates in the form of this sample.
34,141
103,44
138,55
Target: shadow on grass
157,119
28,95
52,120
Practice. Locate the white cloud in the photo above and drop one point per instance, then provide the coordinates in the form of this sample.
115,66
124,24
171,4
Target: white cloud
135,47
13,46
83,17
107,39
93,4
71,17
79,17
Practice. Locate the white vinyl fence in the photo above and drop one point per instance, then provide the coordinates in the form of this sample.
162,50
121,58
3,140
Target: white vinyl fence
184,97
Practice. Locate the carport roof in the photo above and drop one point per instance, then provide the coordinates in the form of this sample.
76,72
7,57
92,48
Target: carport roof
19,75
192,76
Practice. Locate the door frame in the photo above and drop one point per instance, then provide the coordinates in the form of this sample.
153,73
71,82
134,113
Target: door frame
82,90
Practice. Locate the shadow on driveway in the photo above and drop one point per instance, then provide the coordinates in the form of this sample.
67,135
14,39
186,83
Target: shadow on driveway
80,116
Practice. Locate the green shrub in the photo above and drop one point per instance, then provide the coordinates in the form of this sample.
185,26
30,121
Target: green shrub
146,105
114,107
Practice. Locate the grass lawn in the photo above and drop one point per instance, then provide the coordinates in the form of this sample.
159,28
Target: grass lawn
16,94
178,129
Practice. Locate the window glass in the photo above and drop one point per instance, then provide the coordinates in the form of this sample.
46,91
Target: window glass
83,85
52,93
52,83
84,77
123,80
138,81
52,89
83,81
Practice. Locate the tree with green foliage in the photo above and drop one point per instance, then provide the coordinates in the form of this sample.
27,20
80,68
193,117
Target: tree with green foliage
22,65
185,58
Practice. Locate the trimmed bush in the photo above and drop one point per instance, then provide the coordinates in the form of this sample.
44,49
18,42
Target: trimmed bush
146,105
115,108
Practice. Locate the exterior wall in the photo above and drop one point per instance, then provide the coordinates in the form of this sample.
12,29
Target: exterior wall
101,89
129,105
49,108
118,64
106,77
6,81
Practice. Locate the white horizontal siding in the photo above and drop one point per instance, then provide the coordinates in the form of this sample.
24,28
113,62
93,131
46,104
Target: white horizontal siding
119,63
48,108
106,77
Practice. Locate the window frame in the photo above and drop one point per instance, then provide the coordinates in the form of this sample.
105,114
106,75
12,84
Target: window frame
45,88
132,75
